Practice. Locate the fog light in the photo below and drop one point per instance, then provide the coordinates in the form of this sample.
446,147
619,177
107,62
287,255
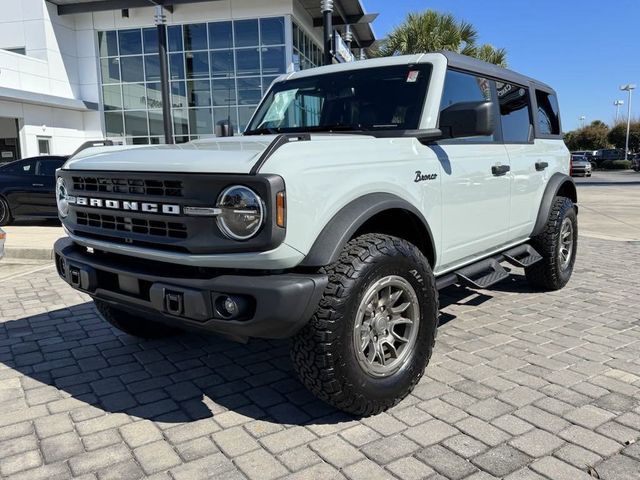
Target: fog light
232,307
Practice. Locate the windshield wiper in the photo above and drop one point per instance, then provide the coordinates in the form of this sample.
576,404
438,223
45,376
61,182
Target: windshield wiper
264,131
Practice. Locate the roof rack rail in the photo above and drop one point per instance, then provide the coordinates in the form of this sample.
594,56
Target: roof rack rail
92,143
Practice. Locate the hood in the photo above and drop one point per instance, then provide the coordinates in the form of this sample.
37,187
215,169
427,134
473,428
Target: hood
216,155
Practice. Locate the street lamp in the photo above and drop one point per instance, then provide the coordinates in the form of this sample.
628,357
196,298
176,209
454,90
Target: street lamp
582,119
618,104
629,87
161,23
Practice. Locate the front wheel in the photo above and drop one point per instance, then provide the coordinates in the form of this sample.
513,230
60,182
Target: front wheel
558,245
371,338
132,324
5,213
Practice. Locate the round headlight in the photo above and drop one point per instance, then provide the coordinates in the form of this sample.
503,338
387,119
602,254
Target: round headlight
62,197
242,213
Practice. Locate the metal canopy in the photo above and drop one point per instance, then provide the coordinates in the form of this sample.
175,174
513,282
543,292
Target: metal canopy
347,12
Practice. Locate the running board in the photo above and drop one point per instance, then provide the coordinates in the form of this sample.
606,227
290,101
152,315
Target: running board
487,272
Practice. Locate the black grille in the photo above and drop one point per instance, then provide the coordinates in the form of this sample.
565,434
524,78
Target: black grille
134,225
129,186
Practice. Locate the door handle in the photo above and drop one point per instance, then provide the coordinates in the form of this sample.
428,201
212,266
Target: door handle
499,170
540,166
38,185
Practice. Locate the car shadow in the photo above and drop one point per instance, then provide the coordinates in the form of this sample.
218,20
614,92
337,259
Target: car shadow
180,379
36,222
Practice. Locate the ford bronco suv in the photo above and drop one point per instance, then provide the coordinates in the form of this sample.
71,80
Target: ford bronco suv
356,192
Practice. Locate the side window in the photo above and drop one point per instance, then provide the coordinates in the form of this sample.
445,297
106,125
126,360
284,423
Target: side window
48,167
465,87
514,112
548,113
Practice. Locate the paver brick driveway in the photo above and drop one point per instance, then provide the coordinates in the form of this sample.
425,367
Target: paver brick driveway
522,385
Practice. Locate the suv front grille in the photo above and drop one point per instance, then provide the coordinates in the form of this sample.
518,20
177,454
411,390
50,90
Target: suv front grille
135,225
129,186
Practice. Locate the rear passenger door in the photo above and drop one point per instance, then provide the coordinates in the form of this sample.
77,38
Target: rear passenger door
475,199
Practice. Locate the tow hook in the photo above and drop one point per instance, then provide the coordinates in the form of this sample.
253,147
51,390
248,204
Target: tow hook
173,303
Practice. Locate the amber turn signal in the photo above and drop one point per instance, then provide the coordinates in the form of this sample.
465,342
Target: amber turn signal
281,210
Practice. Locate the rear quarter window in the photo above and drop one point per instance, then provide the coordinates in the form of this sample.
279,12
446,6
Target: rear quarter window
548,115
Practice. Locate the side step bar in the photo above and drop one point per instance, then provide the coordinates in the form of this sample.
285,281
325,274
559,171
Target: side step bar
487,272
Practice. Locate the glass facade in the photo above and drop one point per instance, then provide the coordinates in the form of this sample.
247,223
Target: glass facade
306,52
218,71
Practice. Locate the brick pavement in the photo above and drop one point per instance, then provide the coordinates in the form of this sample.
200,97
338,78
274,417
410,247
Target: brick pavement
522,386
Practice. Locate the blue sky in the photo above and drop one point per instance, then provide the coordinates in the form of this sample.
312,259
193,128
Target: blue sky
585,49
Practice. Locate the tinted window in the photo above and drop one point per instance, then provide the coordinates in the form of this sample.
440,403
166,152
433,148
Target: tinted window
48,167
548,113
26,167
464,87
514,112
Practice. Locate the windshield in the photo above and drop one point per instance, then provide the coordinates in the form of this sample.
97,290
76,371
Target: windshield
384,98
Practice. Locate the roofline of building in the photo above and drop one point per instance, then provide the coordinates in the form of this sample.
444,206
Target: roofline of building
42,99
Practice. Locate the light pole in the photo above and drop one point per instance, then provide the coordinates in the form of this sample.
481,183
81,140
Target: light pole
630,87
582,119
161,23
618,104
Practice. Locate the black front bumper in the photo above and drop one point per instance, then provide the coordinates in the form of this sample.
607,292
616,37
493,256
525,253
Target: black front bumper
276,306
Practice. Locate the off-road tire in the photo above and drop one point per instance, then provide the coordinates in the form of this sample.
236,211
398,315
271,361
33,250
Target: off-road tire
132,324
548,274
323,353
5,213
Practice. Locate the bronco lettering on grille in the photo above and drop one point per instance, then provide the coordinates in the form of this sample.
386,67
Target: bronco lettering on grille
131,206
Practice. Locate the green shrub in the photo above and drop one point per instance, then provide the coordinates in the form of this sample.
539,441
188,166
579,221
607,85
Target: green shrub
616,164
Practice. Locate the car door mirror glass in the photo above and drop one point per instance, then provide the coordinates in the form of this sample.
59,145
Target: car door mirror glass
468,119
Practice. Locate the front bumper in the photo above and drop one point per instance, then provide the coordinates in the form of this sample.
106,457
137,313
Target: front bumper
276,305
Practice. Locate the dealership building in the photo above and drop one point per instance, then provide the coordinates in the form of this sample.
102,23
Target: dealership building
79,70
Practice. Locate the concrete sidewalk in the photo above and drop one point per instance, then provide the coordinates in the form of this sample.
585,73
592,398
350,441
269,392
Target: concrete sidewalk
32,241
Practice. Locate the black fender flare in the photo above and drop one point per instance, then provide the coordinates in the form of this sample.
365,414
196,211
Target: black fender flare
344,224
559,182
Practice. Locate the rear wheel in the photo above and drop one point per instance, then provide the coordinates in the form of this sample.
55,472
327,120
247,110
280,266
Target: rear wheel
558,244
132,324
5,213
372,335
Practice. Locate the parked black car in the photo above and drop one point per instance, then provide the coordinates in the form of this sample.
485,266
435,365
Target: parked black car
27,188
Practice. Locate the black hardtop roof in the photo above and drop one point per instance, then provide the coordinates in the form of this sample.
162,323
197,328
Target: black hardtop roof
464,62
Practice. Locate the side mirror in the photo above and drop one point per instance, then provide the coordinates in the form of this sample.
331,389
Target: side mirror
467,119
224,129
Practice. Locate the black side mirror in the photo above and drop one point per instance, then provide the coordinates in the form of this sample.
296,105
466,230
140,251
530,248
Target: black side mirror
224,129
467,119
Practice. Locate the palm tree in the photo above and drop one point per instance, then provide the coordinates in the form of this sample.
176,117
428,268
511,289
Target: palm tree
432,31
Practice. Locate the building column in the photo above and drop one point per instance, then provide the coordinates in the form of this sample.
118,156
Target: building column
161,22
327,14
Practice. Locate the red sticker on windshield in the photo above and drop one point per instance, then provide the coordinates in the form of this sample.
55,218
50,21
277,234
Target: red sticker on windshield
413,76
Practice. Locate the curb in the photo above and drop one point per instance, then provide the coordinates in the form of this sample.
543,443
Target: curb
28,253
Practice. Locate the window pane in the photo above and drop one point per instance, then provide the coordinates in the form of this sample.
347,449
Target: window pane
113,124
273,61
224,92
174,38
249,91
178,94
154,95
244,116
296,36
134,96
108,42
201,121
180,122
176,66
272,31
220,35
132,70
514,112
548,113
246,33
150,37
195,36
197,64
247,62
222,63
136,124
110,70
156,124
152,68
112,97
130,42
199,93
266,83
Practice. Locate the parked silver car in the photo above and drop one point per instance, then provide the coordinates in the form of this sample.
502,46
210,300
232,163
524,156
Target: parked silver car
580,166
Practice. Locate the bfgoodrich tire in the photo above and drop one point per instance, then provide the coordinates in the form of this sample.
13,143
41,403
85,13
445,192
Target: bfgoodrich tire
5,213
558,245
132,324
373,333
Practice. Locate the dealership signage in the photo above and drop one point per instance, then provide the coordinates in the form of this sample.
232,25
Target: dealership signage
342,52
